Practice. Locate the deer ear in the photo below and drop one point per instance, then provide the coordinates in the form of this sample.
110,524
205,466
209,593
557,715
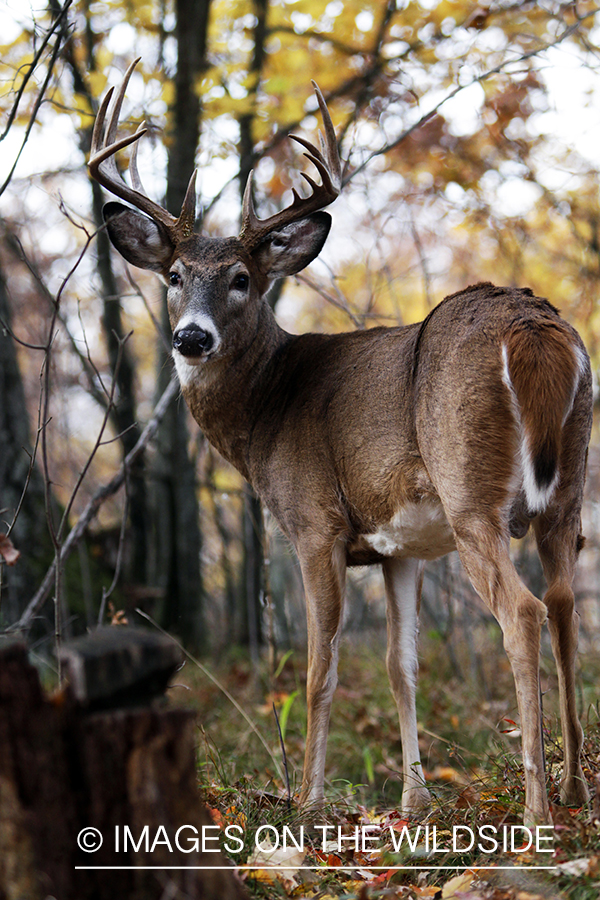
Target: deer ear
290,248
137,238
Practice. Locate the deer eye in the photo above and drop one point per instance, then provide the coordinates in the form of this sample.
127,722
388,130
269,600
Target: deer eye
240,282
174,279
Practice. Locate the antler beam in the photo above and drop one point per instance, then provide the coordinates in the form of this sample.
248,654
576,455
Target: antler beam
103,167
326,161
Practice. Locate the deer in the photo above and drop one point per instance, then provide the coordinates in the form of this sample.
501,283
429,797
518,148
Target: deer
384,446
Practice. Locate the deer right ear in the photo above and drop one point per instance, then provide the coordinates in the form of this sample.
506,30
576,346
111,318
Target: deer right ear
289,248
138,239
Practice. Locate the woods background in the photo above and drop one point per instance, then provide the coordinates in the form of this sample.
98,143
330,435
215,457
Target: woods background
472,137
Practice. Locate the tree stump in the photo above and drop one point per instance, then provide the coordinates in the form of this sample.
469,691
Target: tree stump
68,765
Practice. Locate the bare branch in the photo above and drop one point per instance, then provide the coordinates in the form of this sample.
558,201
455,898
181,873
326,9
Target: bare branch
31,68
339,302
157,326
479,79
106,592
41,93
94,504
90,370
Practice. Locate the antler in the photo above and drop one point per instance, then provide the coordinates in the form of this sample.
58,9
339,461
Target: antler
103,168
327,162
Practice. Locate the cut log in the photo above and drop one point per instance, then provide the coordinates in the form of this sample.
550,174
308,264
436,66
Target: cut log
113,667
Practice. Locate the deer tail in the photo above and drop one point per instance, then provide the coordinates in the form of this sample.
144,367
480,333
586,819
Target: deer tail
542,365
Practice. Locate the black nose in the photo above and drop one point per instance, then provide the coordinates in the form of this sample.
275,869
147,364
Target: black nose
192,340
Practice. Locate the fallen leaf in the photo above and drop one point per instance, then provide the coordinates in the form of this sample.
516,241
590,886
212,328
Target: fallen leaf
261,875
446,773
8,550
428,891
305,889
576,867
460,884
216,815
117,616
276,863
385,876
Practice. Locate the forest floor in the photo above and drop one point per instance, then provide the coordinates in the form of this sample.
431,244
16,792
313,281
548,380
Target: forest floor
469,845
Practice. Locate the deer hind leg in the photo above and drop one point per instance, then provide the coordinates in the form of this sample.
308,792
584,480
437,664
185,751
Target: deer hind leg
483,548
558,549
403,586
323,573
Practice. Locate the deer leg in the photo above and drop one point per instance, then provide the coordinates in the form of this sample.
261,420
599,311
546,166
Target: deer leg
558,552
323,573
483,549
403,586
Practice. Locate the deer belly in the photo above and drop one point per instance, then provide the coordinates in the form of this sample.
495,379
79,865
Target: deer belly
418,530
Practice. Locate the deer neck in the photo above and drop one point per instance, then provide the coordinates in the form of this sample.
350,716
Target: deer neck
225,394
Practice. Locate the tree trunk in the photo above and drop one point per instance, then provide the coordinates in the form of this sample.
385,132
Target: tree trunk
30,534
178,537
252,522
124,414
121,363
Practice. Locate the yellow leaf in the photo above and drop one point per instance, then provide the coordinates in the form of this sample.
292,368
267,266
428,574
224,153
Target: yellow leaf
281,864
261,875
457,885
97,82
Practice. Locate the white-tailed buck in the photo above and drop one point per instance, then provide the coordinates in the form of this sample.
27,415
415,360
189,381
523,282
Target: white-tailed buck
388,446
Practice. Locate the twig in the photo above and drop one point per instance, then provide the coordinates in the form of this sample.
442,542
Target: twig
339,304
479,79
285,765
40,97
87,364
159,330
31,68
94,504
106,592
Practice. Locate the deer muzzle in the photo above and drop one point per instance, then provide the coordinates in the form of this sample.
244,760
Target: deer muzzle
192,341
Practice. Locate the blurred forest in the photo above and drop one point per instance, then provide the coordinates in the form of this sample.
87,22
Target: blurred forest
469,134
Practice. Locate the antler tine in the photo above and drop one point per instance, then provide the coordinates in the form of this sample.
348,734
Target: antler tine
329,143
134,173
103,166
327,163
104,146
98,131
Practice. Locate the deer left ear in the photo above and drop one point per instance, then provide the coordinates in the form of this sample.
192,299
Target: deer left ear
289,249
140,240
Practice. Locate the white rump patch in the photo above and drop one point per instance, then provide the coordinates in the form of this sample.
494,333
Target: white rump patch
418,530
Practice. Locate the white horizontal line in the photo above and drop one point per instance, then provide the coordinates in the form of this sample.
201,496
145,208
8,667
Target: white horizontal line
327,868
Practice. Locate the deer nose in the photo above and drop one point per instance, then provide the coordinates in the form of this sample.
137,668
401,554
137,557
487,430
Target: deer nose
192,340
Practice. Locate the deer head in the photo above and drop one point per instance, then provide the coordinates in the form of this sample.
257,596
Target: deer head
214,285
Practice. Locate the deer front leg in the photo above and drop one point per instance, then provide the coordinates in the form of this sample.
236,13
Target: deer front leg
323,573
403,586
